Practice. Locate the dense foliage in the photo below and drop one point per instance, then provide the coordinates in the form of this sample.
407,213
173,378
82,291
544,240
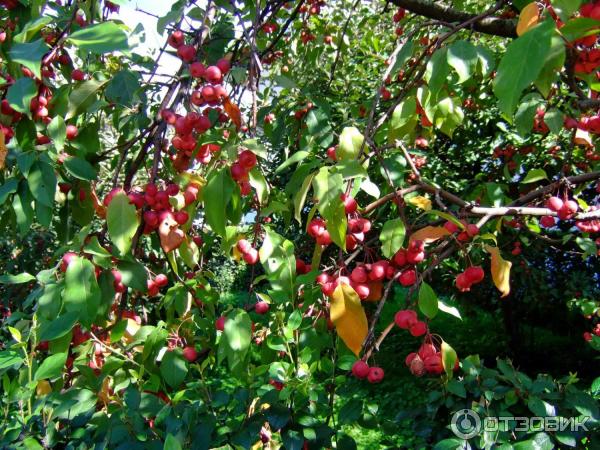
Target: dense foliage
332,225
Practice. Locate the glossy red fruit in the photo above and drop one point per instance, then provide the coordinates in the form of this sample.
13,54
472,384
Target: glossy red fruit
176,39
197,69
451,227
224,65
78,75
251,257
244,246
360,369
151,218
213,74
400,258
418,329
72,132
261,307
405,318
362,290
181,217
408,277
554,203
376,375
359,275
220,323
190,354
378,269
427,349
433,364
350,205
186,52
161,280
463,283
66,260
247,159
238,172
547,221
474,274
331,153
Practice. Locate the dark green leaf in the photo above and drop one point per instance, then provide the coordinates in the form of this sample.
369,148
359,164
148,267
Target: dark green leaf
428,301
392,237
19,95
173,368
30,55
51,367
80,168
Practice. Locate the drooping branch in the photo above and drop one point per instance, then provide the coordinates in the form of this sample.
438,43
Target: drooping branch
440,11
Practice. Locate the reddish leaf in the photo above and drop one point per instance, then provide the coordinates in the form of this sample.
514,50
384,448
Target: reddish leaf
233,112
171,236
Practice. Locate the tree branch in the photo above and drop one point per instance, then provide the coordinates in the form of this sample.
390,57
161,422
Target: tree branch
440,11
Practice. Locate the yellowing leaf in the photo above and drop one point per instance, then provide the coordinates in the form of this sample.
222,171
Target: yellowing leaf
429,234
529,18
449,358
3,150
170,235
232,110
130,330
500,270
582,138
420,202
349,318
43,388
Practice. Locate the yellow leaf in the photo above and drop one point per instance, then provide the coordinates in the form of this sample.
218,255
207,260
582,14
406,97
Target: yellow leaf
3,150
43,388
429,234
420,202
582,138
349,318
529,18
500,270
130,330
232,110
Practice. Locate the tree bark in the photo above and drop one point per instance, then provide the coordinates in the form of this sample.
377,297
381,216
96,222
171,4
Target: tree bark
440,11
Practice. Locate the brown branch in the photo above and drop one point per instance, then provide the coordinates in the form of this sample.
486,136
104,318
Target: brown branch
440,11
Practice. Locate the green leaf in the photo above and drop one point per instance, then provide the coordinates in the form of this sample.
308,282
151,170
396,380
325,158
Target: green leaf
437,70
327,188
80,168
57,131
9,187
554,118
580,27
42,182
237,336
19,95
58,327
217,194
300,197
404,119
30,55
30,29
521,65
133,274
535,175
51,367
526,113
462,57
123,87
428,301
83,96
16,279
9,358
279,262
295,158
171,443
122,220
173,368
82,293
260,185
285,82
392,237
104,37
449,358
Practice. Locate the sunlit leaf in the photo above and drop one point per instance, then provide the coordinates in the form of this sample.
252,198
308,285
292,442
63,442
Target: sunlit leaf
500,270
349,318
